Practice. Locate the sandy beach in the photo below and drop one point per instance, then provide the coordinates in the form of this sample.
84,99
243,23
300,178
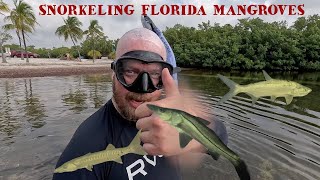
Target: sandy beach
38,67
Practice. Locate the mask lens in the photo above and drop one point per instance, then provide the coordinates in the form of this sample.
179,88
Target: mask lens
128,70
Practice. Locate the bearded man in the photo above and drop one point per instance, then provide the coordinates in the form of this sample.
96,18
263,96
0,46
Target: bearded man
140,76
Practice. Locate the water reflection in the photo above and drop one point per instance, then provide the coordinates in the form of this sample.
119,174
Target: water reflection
34,109
9,125
87,92
76,100
267,170
94,80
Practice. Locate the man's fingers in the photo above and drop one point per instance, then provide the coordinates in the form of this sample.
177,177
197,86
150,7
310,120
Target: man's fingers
144,124
151,149
146,137
169,84
143,111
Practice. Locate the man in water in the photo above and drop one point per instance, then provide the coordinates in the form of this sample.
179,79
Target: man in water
140,76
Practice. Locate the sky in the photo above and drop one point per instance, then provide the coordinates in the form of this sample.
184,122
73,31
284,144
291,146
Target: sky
115,26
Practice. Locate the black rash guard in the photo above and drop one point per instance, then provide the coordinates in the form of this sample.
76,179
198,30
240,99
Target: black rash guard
107,126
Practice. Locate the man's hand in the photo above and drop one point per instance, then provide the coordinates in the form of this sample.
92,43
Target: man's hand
159,137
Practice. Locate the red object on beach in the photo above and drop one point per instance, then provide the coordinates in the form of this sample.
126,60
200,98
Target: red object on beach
18,53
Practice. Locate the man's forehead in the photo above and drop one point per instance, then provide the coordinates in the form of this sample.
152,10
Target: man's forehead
140,39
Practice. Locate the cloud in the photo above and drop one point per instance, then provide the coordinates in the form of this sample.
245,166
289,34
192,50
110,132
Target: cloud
115,26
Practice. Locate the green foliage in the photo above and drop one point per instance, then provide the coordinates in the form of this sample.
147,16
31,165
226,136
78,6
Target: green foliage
3,7
252,44
94,32
112,55
71,29
103,45
94,54
13,46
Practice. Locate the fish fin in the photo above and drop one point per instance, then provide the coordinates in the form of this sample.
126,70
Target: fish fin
110,147
288,99
184,139
273,98
233,89
266,76
226,97
89,167
214,155
227,81
242,170
135,145
253,98
185,115
118,160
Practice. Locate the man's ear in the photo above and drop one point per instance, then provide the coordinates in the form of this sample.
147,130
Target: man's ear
112,75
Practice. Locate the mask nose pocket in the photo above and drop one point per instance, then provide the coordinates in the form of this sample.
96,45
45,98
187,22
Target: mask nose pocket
145,82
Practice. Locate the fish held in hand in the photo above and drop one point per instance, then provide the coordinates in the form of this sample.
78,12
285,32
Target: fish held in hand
271,87
192,127
109,154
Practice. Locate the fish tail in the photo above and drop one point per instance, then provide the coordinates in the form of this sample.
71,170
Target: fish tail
242,169
234,89
135,145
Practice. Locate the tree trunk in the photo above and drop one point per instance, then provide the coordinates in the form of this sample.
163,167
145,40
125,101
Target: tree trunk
2,54
77,47
25,46
18,34
94,54
79,54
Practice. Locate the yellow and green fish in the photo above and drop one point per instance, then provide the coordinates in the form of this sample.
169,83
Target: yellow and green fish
271,87
192,127
109,154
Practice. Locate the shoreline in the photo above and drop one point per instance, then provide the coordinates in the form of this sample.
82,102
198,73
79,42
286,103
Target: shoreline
42,71
15,68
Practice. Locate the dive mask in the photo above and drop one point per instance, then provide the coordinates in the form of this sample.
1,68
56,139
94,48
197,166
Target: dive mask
140,71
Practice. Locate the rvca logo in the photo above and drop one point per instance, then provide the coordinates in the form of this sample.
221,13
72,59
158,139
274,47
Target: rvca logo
141,165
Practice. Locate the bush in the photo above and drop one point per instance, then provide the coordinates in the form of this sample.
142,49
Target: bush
112,55
94,53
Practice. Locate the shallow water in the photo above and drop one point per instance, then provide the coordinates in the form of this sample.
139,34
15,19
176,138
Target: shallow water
38,116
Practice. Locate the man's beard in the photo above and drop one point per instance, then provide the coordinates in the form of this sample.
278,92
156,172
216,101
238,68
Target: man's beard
124,107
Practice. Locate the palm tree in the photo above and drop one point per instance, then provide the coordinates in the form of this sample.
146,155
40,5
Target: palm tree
94,32
23,20
13,26
3,38
71,29
3,7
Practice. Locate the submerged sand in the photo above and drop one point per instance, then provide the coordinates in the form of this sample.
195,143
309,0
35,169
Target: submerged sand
38,67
